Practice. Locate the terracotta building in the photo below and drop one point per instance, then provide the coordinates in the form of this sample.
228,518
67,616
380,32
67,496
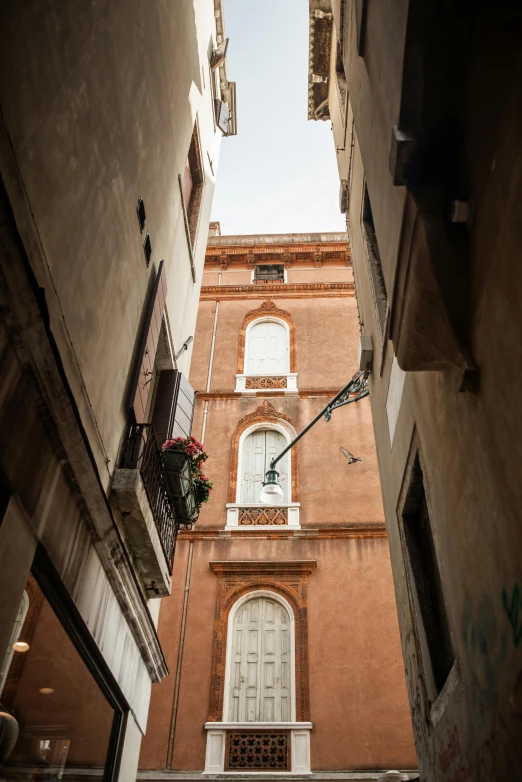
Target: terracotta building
110,128
280,635
430,180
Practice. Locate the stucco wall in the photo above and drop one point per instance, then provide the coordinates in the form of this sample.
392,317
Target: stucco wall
99,103
357,692
469,441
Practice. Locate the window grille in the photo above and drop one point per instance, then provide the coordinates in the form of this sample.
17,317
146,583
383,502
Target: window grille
263,750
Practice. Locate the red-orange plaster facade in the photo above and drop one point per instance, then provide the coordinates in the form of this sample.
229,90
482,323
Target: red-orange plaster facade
331,567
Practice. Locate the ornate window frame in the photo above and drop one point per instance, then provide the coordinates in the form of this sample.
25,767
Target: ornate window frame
251,384
240,580
257,516
251,595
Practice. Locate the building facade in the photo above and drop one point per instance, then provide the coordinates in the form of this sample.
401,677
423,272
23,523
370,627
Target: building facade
109,139
281,634
430,183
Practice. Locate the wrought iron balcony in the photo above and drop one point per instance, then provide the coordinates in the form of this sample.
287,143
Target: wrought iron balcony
144,511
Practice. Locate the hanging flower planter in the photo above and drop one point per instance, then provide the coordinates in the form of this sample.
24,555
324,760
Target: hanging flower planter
187,487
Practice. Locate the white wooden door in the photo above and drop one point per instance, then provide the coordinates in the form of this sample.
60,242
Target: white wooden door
259,448
261,665
267,349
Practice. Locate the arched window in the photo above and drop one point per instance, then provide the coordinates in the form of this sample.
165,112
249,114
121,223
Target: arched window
260,660
267,348
258,449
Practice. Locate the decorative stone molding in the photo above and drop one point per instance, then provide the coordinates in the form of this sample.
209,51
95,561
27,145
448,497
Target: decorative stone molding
265,413
262,516
257,516
278,381
267,308
299,290
238,578
249,384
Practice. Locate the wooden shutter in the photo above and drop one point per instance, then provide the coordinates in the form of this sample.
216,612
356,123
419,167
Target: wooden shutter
261,665
267,349
187,184
174,406
142,382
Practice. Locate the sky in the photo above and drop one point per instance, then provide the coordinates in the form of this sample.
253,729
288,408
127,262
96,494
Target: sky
279,174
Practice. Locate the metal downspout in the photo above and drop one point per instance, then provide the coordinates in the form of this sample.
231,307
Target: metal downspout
172,732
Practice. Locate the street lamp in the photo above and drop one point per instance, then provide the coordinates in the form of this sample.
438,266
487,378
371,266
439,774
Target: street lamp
272,492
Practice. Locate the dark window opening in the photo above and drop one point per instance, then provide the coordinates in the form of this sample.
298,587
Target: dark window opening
140,209
147,248
191,184
374,259
269,273
435,633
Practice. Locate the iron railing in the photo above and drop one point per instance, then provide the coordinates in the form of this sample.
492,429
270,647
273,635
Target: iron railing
141,452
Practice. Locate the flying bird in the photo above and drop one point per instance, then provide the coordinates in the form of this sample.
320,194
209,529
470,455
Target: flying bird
351,458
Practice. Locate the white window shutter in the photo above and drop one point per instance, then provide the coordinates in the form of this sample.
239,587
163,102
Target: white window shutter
259,448
267,349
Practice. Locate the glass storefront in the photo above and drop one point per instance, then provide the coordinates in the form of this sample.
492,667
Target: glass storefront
66,725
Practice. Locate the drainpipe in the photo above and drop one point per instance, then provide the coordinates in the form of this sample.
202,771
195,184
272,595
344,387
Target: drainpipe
210,366
177,682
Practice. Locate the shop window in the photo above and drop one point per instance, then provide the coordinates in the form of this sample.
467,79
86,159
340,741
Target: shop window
65,719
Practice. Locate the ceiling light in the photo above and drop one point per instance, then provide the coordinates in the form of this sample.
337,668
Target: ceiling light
46,690
21,646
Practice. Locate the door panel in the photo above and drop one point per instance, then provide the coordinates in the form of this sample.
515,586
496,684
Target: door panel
260,681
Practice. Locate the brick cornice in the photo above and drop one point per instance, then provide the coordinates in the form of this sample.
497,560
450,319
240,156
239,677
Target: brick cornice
353,530
263,392
301,290
249,567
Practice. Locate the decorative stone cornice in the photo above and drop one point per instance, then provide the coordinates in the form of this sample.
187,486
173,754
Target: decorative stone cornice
319,54
278,290
357,530
256,567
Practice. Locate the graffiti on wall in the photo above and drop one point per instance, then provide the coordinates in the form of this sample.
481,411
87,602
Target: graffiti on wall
513,610
487,650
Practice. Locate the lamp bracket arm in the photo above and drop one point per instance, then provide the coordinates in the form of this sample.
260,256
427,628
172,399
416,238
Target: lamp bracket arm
358,383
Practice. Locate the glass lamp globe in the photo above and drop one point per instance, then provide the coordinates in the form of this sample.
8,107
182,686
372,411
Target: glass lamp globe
271,493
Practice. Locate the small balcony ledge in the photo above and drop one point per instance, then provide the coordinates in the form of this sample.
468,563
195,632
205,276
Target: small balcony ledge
143,511
252,384
299,737
257,516
131,505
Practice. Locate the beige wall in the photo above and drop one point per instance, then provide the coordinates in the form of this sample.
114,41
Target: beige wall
99,104
468,439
